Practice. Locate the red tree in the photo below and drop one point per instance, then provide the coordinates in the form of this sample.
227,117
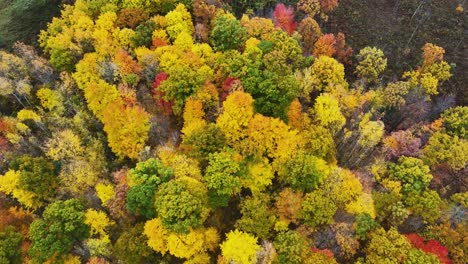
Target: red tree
432,247
161,103
284,18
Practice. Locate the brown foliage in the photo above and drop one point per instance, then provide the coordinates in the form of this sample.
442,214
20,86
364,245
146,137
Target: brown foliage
131,17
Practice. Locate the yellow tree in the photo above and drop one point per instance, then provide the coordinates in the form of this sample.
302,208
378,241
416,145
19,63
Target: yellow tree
239,247
234,120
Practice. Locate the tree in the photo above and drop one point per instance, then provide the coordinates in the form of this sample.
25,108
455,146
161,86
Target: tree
179,209
143,34
291,247
64,145
131,17
284,18
363,225
10,246
412,173
310,32
389,208
288,205
227,33
386,247
328,113
240,247
325,46
144,180
257,217
443,148
205,141
222,177
326,72
304,172
37,175
317,209
426,204
401,143
455,121
371,63
126,128
177,21
235,118
132,246
9,184
54,236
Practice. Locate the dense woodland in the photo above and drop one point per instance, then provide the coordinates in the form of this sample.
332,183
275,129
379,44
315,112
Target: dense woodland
236,132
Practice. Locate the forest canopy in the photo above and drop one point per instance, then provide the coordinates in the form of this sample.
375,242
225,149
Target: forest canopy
236,132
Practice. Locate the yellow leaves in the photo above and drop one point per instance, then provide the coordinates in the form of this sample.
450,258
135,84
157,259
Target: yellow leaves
105,192
184,41
50,99
178,20
251,43
127,129
64,145
371,132
182,165
328,113
9,184
324,73
259,177
258,27
157,235
237,113
192,246
98,222
239,248
25,114
364,204
193,116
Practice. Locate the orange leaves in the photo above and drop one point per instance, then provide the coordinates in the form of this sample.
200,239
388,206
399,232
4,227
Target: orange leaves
325,45
331,46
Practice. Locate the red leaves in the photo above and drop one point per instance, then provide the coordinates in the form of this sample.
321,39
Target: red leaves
432,247
228,85
161,103
326,252
284,18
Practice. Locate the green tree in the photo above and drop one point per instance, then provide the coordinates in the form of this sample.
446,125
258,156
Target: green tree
179,209
144,180
227,33
61,227
222,177
412,173
143,34
38,176
10,246
304,172
205,141
389,208
456,121
317,209
257,217
386,247
364,224
426,204
132,247
443,148
291,247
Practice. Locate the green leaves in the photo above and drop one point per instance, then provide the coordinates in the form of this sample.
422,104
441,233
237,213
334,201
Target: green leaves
227,33
178,209
54,235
